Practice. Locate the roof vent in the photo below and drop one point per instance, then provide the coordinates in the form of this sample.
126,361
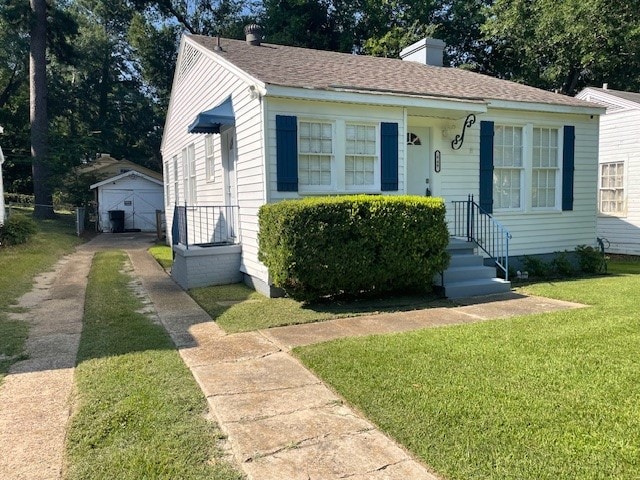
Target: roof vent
217,47
253,33
427,51
605,86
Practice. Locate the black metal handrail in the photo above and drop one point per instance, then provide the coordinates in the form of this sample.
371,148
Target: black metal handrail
474,224
205,225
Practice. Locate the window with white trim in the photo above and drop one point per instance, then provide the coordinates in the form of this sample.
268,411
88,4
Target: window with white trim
167,184
545,168
189,165
315,154
209,158
361,155
176,180
611,198
507,167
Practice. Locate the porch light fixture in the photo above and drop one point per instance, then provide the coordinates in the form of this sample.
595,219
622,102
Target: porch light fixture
457,142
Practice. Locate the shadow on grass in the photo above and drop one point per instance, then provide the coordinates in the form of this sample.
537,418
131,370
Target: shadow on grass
237,308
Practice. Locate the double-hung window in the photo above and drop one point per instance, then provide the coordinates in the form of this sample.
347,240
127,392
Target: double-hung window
176,180
507,167
361,156
315,154
544,168
167,185
209,158
189,165
611,188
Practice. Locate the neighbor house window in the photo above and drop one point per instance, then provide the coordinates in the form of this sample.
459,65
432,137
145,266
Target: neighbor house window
176,180
361,156
545,168
612,188
189,165
315,154
507,167
209,158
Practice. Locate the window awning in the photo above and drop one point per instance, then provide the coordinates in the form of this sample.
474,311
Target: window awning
211,121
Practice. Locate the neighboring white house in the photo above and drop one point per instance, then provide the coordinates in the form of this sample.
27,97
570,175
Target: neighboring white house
2,207
251,123
619,171
128,201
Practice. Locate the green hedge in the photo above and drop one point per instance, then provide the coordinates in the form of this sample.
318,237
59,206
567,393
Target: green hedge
17,229
326,246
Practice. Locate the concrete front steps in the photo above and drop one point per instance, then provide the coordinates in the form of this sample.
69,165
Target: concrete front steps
467,276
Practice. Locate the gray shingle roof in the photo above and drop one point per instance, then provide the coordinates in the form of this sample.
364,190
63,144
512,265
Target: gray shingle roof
629,96
318,69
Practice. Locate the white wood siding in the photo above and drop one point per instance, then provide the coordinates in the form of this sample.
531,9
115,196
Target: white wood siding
205,84
620,142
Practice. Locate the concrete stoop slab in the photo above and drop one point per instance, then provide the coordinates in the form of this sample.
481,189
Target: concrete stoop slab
501,306
233,348
244,407
261,437
365,455
273,372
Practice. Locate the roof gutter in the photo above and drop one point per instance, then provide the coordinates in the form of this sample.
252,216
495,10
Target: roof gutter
546,107
377,97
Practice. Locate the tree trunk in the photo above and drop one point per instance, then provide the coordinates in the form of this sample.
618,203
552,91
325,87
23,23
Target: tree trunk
42,186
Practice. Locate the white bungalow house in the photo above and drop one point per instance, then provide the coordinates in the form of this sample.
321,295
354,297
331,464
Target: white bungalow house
619,169
251,123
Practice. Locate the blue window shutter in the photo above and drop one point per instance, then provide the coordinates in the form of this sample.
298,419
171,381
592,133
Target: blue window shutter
568,165
287,153
388,157
486,166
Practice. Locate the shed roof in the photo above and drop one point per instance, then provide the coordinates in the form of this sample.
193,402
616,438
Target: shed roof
318,69
106,162
131,173
629,96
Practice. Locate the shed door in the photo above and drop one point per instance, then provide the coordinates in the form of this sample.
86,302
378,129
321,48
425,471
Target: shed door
139,207
418,162
117,199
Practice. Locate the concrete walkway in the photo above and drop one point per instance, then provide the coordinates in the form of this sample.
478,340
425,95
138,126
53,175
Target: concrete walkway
36,395
282,422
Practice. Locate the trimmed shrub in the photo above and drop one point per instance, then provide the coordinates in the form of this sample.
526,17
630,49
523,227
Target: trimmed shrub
591,259
17,229
536,267
327,246
562,266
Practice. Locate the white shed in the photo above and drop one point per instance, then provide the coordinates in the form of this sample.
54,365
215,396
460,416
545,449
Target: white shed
134,196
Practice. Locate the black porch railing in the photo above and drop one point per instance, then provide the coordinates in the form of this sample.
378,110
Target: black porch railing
205,225
474,224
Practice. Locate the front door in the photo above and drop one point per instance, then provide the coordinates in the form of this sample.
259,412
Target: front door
230,182
418,162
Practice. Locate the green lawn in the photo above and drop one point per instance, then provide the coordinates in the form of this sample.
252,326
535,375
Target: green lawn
139,412
548,396
237,308
19,265
163,255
